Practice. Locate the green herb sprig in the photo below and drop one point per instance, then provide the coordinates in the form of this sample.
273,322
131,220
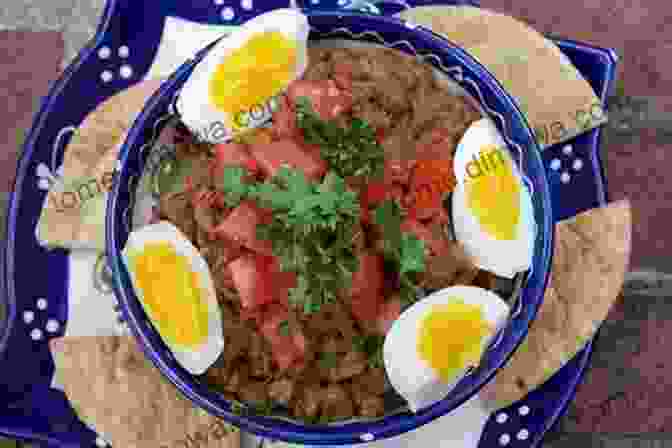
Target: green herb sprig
403,249
352,151
372,346
312,231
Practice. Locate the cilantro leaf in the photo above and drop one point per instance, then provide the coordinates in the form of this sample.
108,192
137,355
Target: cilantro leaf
352,151
372,346
403,249
232,183
412,254
311,232
283,328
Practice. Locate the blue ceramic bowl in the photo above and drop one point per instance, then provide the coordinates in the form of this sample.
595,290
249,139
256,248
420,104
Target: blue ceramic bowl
481,85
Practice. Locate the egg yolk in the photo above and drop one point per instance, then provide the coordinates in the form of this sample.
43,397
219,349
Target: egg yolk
252,74
452,337
493,194
172,294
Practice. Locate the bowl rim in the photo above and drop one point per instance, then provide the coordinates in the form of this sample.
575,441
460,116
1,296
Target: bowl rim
357,432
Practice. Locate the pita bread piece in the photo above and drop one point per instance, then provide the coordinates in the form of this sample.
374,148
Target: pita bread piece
590,259
126,399
73,212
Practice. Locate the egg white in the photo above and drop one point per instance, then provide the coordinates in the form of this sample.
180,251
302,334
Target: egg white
411,376
193,103
504,258
195,360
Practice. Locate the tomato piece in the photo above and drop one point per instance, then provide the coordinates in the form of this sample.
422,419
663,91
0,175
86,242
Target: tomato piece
326,98
272,157
284,121
364,308
241,224
253,280
388,312
375,192
370,278
286,349
231,154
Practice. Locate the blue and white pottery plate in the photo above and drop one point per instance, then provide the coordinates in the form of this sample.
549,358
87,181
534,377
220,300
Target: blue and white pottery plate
134,41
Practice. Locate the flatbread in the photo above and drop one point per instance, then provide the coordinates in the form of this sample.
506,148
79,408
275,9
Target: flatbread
122,396
73,215
590,259
557,101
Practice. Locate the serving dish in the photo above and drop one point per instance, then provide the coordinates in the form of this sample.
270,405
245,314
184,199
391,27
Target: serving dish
35,412
496,104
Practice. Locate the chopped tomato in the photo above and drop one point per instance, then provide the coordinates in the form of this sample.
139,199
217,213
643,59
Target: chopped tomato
372,194
326,98
284,281
436,244
380,135
286,349
284,121
375,192
288,152
314,151
364,308
253,280
369,278
388,312
241,226
230,154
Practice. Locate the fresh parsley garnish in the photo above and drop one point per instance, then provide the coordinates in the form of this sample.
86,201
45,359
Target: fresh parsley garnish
372,346
232,183
312,233
404,250
352,151
283,328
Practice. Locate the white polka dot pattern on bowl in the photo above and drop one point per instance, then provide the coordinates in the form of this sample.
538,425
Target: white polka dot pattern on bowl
565,177
36,334
247,5
577,164
556,164
52,326
106,76
502,418
524,410
28,317
567,150
504,439
367,437
123,52
219,2
104,52
228,13
100,443
41,304
126,71
523,434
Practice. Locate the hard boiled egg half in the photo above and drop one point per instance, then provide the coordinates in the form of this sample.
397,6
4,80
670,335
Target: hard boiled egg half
237,84
173,283
491,206
434,342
